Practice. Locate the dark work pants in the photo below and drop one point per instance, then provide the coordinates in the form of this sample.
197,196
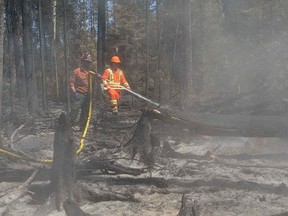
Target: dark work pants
76,105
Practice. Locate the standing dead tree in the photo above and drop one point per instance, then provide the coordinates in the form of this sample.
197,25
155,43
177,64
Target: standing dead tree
1,50
63,178
32,97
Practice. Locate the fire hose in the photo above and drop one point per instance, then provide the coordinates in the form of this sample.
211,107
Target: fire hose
128,90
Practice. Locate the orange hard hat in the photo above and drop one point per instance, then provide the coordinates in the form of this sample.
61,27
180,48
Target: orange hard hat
115,59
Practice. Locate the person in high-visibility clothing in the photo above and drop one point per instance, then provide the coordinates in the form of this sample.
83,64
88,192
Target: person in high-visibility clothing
112,78
79,87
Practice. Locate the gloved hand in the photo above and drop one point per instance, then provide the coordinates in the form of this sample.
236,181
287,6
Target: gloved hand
76,96
99,76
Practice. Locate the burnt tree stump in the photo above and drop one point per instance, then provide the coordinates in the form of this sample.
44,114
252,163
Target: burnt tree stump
63,179
72,209
189,206
142,141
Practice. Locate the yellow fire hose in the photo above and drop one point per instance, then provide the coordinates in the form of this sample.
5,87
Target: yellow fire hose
81,146
22,157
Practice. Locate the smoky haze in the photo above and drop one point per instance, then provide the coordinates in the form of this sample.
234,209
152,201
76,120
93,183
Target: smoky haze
245,46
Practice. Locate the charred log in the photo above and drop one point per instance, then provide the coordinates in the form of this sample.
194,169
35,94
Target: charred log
246,156
227,183
168,152
17,193
104,165
107,166
157,182
96,195
226,125
19,175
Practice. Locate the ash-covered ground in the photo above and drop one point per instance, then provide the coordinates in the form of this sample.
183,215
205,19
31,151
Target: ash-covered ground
222,175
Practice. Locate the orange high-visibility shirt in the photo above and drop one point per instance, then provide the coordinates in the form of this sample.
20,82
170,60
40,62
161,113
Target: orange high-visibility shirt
79,79
114,78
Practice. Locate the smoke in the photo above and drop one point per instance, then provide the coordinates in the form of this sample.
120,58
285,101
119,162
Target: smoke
245,47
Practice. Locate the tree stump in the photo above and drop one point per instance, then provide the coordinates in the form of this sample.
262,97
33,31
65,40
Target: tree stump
189,206
72,209
140,143
63,179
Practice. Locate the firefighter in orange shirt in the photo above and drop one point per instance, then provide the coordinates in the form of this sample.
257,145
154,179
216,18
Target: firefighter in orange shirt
79,87
112,78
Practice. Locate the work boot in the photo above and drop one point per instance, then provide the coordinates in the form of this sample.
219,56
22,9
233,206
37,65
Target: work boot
115,110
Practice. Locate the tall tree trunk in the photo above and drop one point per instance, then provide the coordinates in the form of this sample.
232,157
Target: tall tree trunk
101,35
159,33
9,21
44,93
187,76
66,59
83,13
53,43
15,16
174,61
147,43
113,13
30,78
12,75
101,41
197,46
2,24
92,23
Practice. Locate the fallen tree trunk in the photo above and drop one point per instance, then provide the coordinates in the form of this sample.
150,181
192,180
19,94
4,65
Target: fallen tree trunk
96,195
18,192
168,152
225,125
19,175
221,183
107,166
155,181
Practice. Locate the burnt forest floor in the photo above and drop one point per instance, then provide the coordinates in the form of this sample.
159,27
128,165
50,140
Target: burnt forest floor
223,175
